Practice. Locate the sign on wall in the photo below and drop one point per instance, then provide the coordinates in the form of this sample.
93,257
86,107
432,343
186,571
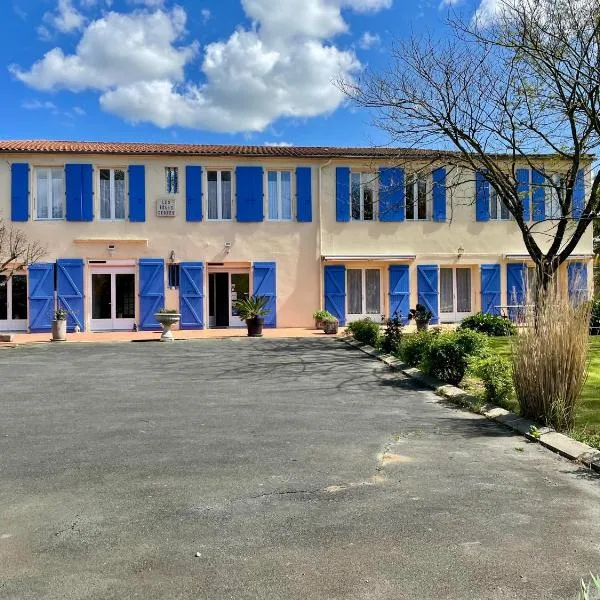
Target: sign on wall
165,207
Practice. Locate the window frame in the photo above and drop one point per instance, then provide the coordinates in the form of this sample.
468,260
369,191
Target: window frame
413,179
362,186
219,171
177,181
378,316
500,206
36,203
279,171
112,170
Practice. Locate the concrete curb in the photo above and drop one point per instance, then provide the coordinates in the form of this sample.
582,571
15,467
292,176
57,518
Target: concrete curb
557,442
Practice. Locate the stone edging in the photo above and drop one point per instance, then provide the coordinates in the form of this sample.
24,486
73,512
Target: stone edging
557,442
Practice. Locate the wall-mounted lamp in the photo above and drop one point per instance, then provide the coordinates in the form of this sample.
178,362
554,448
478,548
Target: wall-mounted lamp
461,251
172,256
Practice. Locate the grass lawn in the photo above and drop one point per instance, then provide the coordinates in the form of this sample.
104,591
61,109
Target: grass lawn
587,422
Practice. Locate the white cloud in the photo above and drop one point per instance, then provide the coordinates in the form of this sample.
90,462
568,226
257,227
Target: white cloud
66,19
487,11
368,40
39,105
281,66
449,3
279,144
205,12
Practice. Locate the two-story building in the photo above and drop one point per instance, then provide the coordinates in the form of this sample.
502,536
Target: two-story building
130,228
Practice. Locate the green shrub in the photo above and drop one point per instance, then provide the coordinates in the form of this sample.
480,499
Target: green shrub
595,317
448,354
496,374
365,331
414,346
322,315
492,325
392,336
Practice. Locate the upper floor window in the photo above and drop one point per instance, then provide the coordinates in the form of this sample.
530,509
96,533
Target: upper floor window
112,194
280,195
50,193
362,197
172,180
498,209
554,194
219,194
417,197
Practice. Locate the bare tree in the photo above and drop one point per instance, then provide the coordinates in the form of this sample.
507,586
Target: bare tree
16,251
520,92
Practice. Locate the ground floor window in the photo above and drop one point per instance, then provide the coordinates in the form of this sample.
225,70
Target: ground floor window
455,293
364,293
13,302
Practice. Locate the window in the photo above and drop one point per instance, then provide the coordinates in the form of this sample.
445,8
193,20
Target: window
362,197
13,298
50,193
498,209
280,195
364,292
554,194
173,276
172,180
417,198
112,194
219,195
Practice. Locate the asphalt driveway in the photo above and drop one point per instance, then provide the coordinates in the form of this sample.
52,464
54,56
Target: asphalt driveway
295,468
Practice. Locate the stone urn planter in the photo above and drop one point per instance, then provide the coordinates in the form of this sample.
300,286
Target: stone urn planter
330,326
167,320
59,326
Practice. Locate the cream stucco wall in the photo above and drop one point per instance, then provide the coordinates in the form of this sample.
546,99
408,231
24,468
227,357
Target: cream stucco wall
297,248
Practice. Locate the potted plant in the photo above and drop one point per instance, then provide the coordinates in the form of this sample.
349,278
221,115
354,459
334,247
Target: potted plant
320,316
59,325
167,318
252,310
330,325
422,315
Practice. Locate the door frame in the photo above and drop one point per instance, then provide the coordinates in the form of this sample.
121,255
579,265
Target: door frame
112,324
10,324
233,321
455,316
376,317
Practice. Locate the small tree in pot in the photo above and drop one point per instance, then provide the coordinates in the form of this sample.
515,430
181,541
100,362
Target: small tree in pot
421,315
59,325
252,310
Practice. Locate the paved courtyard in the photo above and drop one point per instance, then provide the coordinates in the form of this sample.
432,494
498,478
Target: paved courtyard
295,468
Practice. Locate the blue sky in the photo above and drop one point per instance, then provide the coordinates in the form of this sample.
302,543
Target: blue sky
199,71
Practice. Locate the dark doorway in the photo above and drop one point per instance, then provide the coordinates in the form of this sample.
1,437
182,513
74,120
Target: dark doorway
218,291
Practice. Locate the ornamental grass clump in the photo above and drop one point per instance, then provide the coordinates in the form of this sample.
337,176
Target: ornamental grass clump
550,358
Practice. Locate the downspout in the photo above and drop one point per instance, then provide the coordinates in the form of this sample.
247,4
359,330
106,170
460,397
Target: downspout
320,238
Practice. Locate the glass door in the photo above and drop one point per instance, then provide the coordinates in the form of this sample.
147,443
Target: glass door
363,294
239,284
113,300
455,294
13,303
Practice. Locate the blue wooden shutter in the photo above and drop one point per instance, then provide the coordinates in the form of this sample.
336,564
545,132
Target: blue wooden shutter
428,288
578,195
439,194
391,194
523,192
69,287
193,193
191,295
19,192
399,291
539,194
41,296
137,193
335,291
482,197
342,194
516,281
304,194
79,192
491,297
249,194
577,282
265,284
152,291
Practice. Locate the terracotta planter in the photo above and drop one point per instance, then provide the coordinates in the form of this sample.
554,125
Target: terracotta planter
255,326
167,320
59,330
330,327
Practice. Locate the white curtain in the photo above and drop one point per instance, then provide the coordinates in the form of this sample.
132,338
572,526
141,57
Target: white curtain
273,196
286,195
213,211
42,193
463,290
354,291
446,291
372,284
226,194
119,194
